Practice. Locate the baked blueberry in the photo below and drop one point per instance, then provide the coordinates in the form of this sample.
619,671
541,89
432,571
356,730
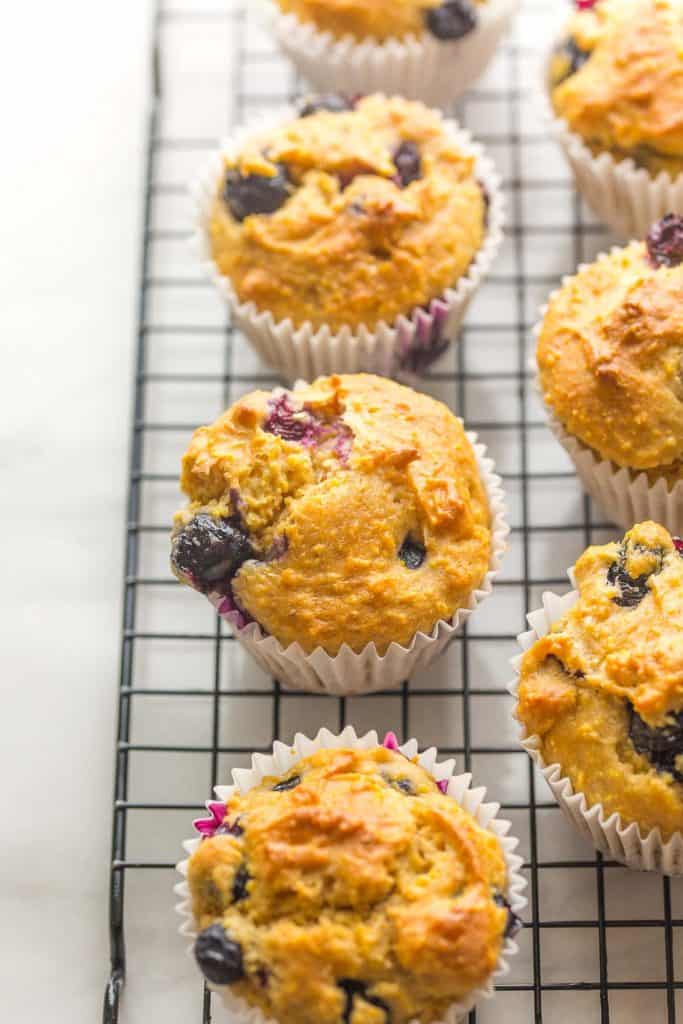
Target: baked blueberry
291,783
247,194
665,241
569,58
408,163
514,923
412,553
239,886
452,20
331,101
209,550
660,746
403,785
632,589
219,957
354,990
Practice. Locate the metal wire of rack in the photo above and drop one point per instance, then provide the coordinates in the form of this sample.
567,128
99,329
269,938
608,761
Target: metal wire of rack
601,943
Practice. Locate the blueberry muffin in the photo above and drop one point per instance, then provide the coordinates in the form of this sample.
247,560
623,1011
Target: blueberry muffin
352,214
347,511
617,80
350,891
610,354
604,688
387,19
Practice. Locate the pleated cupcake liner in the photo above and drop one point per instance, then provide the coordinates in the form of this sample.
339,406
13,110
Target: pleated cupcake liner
608,833
403,348
625,197
352,672
458,787
421,67
626,496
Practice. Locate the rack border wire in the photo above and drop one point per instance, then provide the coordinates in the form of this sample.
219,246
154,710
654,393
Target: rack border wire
143,434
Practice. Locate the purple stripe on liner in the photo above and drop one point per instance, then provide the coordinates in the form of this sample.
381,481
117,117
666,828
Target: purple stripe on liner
390,741
416,350
443,785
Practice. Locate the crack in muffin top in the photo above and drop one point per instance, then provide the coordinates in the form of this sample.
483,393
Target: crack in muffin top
372,897
337,488
318,221
626,93
610,359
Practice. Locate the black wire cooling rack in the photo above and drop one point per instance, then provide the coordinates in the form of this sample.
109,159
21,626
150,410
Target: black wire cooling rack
601,944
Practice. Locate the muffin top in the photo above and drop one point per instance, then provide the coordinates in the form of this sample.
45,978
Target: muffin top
347,511
604,688
387,19
618,80
610,353
351,214
351,890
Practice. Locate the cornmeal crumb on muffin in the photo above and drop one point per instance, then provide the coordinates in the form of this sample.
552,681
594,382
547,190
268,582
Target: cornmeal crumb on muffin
387,19
354,213
350,891
604,688
610,354
347,511
618,80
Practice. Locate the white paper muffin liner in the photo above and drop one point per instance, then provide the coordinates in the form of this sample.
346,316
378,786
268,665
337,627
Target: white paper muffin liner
624,843
350,672
459,788
624,196
626,496
402,348
419,67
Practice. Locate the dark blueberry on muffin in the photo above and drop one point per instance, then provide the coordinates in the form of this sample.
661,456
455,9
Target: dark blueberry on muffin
661,746
452,20
514,923
332,102
665,241
408,163
632,589
291,783
209,550
219,958
239,886
568,59
357,990
247,194
412,553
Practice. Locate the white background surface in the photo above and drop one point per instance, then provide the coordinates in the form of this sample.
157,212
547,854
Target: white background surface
72,88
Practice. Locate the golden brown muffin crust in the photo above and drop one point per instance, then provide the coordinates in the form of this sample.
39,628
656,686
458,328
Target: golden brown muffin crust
610,359
379,20
364,872
620,647
393,464
628,97
350,246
